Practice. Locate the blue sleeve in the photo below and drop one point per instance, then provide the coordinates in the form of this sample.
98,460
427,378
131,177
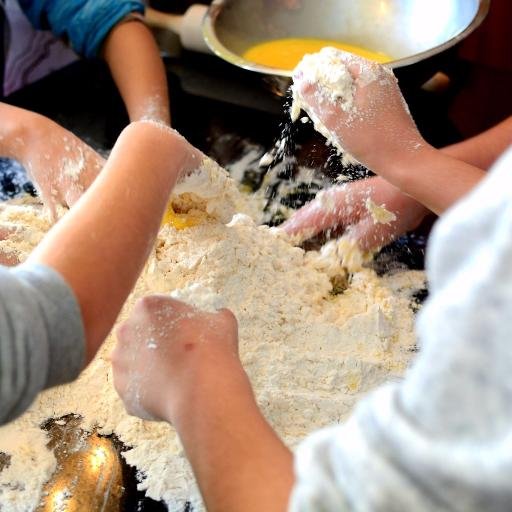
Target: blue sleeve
83,23
42,340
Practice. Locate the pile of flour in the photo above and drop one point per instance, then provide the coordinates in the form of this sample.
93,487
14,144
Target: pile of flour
310,354
23,223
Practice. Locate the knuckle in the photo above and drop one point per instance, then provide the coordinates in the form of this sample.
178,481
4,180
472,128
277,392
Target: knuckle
148,303
228,316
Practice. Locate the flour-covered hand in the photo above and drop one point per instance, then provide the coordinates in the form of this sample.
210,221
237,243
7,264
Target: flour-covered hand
357,104
355,207
61,165
168,353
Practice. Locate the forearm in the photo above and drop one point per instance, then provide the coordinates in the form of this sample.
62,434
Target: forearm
134,61
433,178
484,149
239,462
101,245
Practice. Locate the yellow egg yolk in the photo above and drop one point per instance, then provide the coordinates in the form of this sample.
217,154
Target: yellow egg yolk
180,220
287,53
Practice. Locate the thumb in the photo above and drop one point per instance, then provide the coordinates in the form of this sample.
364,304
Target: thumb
327,211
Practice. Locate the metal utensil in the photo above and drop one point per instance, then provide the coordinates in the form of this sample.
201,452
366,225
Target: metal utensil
408,30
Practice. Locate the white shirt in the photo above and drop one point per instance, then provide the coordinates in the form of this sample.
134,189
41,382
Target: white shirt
441,440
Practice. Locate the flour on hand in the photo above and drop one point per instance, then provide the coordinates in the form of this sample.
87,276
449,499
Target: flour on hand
379,213
335,78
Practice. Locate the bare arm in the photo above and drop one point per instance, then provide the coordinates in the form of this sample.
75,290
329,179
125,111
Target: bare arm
238,460
61,165
433,178
101,245
198,384
380,133
134,61
485,148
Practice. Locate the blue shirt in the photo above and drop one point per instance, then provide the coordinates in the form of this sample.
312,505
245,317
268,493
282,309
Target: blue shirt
42,36
83,23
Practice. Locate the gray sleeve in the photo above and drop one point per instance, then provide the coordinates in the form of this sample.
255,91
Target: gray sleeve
441,439
42,340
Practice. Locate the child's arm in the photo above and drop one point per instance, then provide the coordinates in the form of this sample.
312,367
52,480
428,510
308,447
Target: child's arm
380,133
347,206
197,383
483,149
104,28
109,233
137,68
61,165
57,308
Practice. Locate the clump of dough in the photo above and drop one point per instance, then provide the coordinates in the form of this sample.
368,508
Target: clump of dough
380,214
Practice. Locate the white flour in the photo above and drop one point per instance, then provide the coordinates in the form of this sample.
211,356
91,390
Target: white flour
212,186
336,81
310,355
201,297
379,213
26,222
72,167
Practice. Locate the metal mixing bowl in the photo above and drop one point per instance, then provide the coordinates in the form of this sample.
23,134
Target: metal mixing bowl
408,30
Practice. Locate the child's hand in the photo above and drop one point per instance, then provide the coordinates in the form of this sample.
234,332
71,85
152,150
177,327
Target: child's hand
349,207
379,128
61,165
168,353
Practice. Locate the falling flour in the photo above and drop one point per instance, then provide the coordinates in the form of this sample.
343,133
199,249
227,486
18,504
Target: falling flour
310,354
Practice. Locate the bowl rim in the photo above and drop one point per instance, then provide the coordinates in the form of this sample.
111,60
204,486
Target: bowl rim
213,42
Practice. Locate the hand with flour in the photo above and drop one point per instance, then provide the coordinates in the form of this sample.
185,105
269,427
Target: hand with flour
357,105
61,165
176,363
168,353
351,207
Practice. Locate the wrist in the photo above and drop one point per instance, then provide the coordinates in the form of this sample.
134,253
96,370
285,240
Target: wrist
399,167
169,143
208,390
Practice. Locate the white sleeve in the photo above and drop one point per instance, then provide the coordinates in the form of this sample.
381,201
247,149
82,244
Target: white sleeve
442,439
